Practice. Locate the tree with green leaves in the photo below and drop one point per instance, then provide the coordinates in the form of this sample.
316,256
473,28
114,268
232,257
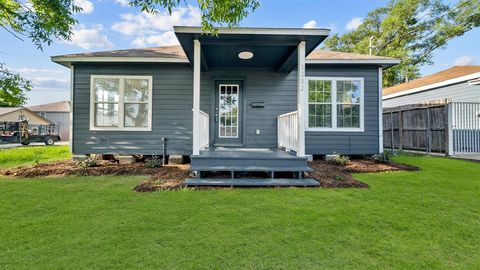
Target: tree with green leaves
13,88
39,20
214,12
43,21
410,30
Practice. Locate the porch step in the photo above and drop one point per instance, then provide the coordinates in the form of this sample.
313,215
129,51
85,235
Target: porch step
227,182
220,168
248,159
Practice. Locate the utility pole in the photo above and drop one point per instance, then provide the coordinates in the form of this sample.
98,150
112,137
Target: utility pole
371,47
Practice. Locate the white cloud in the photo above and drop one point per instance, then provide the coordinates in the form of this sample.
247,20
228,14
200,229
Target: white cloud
166,38
123,3
155,29
90,37
464,60
49,85
86,5
39,72
354,23
40,96
45,79
310,24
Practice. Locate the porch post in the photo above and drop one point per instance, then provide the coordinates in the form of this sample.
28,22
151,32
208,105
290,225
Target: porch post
196,99
380,110
301,98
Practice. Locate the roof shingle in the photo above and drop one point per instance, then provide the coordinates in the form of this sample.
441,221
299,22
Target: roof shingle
176,52
334,55
61,106
448,74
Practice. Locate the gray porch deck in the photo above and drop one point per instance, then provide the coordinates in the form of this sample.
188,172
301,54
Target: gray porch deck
248,159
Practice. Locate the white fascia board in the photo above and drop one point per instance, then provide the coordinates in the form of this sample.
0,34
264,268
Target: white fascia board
257,31
474,81
353,61
433,85
73,59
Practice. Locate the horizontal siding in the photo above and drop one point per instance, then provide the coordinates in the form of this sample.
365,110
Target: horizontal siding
354,143
461,92
171,115
172,104
276,90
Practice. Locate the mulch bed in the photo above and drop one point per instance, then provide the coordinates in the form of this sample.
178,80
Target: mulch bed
335,176
168,177
172,177
69,168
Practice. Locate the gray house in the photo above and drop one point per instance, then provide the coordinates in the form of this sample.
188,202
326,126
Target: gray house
58,113
247,99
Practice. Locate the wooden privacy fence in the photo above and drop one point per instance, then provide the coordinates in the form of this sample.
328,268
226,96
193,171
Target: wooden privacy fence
416,127
450,128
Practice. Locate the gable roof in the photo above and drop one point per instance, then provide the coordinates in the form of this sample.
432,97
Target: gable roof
61,106
14,114
166,52
176,54
452,75
335,55
5,110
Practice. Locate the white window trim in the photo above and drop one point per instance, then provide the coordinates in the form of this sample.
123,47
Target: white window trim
121,108
237,116
334,127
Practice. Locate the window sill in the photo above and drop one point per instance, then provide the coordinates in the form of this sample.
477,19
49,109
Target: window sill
336,129
119,129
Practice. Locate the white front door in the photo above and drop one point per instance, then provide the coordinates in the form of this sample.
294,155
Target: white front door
228,113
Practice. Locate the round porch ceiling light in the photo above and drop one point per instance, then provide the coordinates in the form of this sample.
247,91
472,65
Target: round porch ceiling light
245,55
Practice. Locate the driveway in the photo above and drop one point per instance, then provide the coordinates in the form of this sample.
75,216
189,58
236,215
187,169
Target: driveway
467,156
15,145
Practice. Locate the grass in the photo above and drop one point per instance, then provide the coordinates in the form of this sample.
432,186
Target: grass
406,220
29,155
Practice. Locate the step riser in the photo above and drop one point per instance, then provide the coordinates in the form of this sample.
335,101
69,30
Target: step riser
253,182
249,162
249,169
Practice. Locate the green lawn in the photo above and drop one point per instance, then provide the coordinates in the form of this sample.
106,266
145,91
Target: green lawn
28,155
406,220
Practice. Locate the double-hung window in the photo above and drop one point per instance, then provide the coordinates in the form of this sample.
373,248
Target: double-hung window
335,104
121,103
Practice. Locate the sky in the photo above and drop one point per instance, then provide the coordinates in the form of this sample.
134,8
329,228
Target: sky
112,24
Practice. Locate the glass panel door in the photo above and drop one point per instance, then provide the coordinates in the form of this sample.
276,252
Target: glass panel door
228,98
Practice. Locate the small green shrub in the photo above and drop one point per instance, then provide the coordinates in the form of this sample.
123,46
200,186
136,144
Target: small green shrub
88,162
36,157
340,160
339,178
384,157
153,162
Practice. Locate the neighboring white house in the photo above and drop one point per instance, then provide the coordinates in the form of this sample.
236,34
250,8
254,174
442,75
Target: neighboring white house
57,113
18,114
456,84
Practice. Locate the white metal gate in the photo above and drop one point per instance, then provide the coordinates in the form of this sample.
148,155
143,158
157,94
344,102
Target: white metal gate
464,123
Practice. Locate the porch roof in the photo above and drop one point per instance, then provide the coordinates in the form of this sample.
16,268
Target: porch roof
272,48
